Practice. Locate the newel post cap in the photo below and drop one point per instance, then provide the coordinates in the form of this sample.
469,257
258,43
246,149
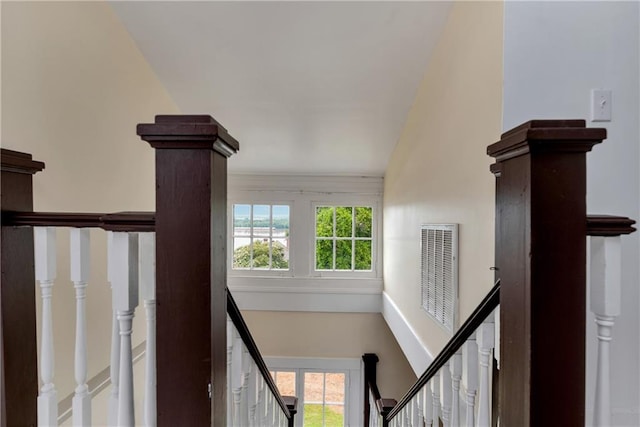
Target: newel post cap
546,136
18,162
188,132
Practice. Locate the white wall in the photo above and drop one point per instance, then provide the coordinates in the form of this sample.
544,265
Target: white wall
333,335
74,85
439,171
554,54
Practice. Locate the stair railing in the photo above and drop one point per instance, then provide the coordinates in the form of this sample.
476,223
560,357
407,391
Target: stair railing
180,272
254,399
541,234
465,361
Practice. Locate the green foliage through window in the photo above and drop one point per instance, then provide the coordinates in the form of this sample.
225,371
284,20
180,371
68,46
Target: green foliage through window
343,238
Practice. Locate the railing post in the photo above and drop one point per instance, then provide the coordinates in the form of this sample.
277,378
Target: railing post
540,259
191,236
369,360
606,299
19,359
292,406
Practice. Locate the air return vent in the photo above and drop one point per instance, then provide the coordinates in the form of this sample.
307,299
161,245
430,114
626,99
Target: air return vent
439,280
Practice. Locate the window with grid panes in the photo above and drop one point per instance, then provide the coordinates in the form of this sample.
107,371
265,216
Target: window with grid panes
260,237
343,238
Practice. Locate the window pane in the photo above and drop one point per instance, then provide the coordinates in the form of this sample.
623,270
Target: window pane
324,254
343,254
324,222
286,382
241,252
344,221
363,222
363,255
260,253
334,398
279,256
261,220
241,220
333,415
313,398
280,222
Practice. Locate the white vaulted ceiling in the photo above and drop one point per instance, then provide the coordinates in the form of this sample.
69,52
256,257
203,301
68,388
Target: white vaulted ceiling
306,87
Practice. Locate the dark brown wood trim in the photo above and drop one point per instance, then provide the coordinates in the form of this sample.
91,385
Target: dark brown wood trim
482,311
121,221
236,317
540,260
19,380
191,253
292,406
385,406
370,383
129,221
51,219
188,132
15,161
546,135
609,225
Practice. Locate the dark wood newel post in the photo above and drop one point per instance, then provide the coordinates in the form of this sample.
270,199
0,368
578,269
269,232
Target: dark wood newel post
370,360
19,359
191,201
540,256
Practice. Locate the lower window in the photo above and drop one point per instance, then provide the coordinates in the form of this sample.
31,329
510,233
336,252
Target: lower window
326,396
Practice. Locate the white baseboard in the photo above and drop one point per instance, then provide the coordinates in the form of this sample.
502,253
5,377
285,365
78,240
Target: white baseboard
414,350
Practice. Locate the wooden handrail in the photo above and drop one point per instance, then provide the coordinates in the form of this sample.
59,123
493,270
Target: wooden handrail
120,221
609,225
236,317
482,311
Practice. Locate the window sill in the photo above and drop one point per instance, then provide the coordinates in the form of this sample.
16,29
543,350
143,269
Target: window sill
325,294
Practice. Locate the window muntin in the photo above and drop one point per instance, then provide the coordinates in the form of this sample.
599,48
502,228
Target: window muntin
343,238
322,395
261,237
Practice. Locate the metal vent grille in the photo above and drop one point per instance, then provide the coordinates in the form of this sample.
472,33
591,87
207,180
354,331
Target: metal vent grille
439,280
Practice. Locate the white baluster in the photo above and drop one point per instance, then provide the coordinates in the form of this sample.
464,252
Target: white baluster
427,405
147,270
485,340
114,367
236,376
435,391
252,393
125,287
455,366
230,336
45,261
605,295
445,393
417,409
80,258
496,350
470,377
244,393
260,407
269,403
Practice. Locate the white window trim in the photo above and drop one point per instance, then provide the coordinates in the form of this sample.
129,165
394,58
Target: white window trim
354,374
375,233
301,288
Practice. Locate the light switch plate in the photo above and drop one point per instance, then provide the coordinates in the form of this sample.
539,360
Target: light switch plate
600,105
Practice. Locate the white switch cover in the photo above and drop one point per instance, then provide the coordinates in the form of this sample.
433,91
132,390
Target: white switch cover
600,105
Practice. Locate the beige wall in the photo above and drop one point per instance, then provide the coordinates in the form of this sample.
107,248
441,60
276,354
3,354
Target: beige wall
74,85
325,335
439,172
